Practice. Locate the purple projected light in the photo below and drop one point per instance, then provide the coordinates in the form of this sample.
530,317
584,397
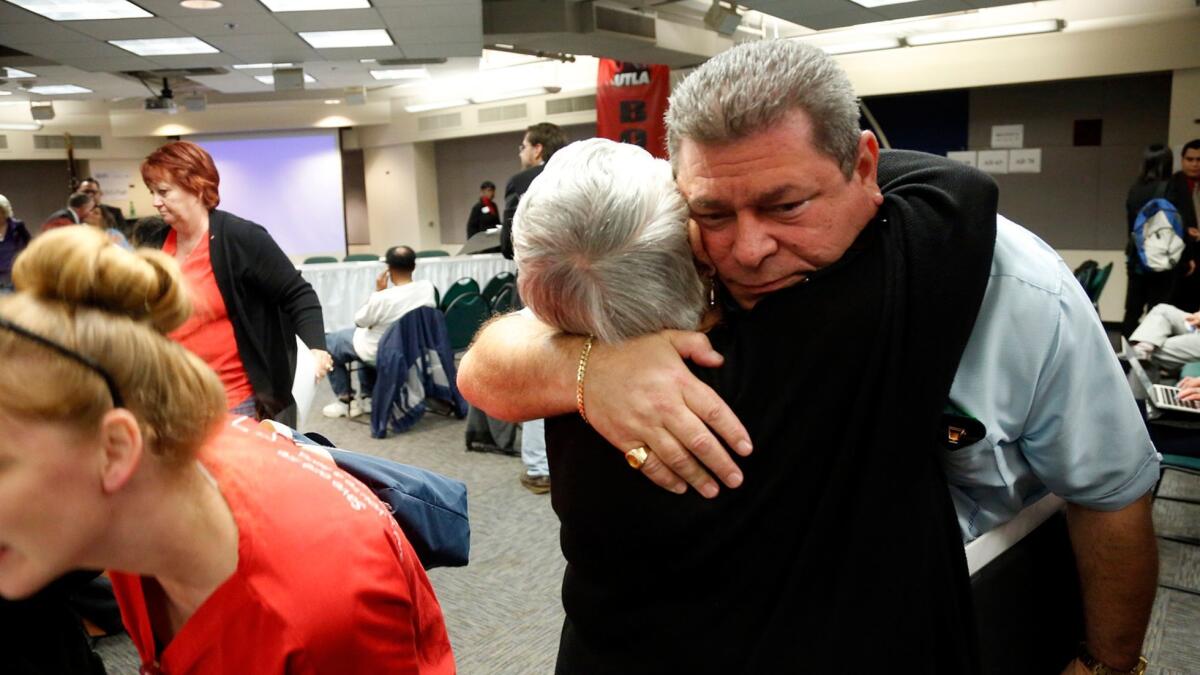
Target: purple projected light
288,182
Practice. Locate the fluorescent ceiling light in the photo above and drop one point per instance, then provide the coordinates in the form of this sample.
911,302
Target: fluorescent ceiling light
437,105
368,60
79,10
20,126
270,79
332,101
401,74
861,46
16,74
311,5
58,89
5,93
880,3
985,32
165,46
201,4
261,66
335,39
517,93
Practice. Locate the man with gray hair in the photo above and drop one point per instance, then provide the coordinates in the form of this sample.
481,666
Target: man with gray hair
862,294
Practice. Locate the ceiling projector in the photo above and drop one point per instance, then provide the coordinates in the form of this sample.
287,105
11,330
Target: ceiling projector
163,103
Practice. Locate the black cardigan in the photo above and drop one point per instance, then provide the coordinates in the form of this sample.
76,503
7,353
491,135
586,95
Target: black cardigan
268,303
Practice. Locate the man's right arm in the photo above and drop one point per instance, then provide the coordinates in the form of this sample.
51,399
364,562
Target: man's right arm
638,393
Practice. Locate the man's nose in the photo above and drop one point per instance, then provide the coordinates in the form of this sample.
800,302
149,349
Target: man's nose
753,242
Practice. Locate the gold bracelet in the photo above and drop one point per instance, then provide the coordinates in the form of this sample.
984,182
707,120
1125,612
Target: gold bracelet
583,360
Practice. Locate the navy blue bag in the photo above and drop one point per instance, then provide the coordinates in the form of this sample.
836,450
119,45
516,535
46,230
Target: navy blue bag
430,508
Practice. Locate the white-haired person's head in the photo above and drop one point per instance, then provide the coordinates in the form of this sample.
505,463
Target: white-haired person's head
601,242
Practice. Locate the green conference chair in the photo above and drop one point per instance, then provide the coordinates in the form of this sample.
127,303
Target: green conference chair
432,253
498,282
465,314
463,286
504,300
314,259
360,257
1096,284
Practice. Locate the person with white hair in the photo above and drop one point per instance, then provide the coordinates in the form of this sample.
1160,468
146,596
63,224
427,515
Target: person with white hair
14,237
862,293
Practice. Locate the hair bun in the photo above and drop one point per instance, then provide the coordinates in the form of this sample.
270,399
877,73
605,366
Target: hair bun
79,265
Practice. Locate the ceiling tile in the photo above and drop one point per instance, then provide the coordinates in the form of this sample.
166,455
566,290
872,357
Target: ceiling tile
288,41
438,15
342,19
45,31
61,51
13,14
203,25
436,34
192,60
445,49
127,29
923,8
115,64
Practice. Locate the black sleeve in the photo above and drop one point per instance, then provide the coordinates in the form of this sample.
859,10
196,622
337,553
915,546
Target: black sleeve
282,285
511,199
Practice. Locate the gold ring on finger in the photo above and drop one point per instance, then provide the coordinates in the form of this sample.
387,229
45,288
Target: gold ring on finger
637,456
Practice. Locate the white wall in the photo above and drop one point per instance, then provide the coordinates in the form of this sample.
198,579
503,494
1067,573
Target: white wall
1185,107
401,197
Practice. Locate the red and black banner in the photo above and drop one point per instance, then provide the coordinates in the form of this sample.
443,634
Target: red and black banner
631,99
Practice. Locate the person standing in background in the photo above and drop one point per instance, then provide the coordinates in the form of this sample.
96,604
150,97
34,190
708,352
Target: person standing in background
109,217
484,215
1147,288
79,207
1183,190
539,144
14,237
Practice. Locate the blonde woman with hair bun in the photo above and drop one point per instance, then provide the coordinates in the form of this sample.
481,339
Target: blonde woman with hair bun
229,550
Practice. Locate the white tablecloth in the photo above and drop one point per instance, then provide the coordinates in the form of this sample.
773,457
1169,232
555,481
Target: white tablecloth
344,287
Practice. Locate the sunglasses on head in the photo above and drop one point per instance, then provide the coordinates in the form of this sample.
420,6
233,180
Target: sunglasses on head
118,402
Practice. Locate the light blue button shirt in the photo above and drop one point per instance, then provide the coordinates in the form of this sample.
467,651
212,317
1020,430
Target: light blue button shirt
1041,375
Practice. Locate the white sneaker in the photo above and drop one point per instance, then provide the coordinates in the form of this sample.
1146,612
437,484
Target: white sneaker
355,408
336,409
364,404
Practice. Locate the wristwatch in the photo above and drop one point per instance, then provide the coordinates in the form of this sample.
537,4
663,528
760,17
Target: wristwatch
1098,668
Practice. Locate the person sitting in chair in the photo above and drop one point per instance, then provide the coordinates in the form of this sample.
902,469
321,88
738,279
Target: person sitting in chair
388,303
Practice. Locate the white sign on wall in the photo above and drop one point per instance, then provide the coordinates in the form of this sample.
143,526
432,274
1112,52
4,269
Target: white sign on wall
115,183
1028,160
968,157
1008,136
993,161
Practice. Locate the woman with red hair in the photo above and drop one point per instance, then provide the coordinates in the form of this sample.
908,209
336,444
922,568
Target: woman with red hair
249,299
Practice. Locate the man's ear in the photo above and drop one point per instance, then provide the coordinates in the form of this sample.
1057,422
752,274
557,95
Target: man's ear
866,166
122,445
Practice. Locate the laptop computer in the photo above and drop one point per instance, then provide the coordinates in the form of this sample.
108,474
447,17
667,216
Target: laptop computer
1158,395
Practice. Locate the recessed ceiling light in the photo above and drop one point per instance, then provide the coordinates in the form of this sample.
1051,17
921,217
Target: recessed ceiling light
165,46
368,60
58,10
21,126
332,101
15,74
312,5
880,3
401,74
336,39
59,89
5,93
201,4
261,66
437,105
270,79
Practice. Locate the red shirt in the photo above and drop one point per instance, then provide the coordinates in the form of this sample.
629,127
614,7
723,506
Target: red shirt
208,333
325,581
